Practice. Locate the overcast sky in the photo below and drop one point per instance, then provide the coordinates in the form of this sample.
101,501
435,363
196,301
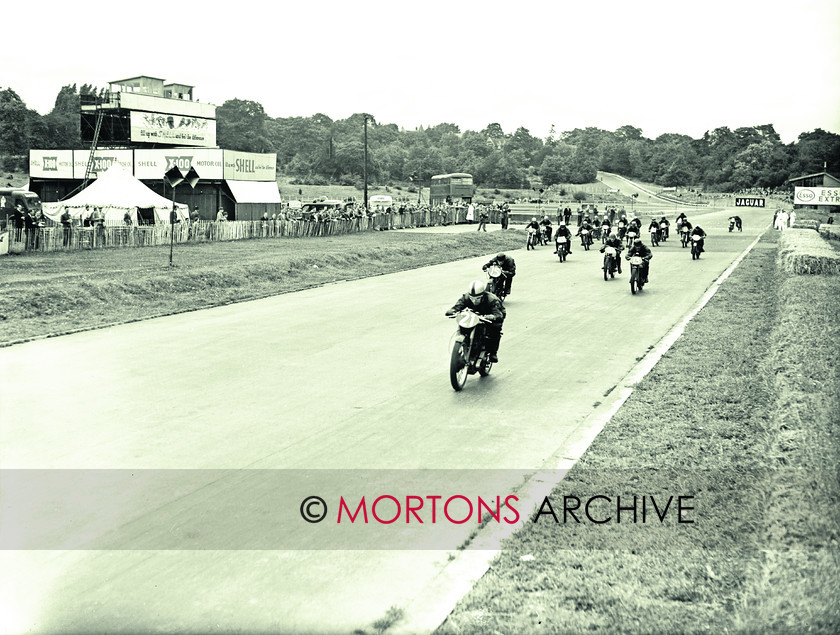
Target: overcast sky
663,67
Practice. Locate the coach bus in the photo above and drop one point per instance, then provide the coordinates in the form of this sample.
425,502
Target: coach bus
451,188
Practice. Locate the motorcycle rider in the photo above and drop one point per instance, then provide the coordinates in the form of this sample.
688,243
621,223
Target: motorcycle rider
622,226
562,230
698,231
546,228
738,224
638,248
489,306
614,242
606,226
664,228
508,267
588,227
535,226
654,224
684,224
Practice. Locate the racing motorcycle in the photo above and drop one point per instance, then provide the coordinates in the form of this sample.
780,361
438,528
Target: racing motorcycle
496,281
654,236
663,233
561,243
684,235
585,239
610,261
469,349
636,280
533,237
731,223
631,235
695,247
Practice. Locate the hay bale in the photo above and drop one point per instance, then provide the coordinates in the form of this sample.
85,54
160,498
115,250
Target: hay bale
806,223
802,251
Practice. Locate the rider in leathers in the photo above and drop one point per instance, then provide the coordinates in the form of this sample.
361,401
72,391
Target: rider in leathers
488,305
562,230
508,267
698,231
638,248
614,242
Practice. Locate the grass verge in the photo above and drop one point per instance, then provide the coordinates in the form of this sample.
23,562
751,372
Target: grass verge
741,414
44,294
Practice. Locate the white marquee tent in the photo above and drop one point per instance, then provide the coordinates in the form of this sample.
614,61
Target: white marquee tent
116,191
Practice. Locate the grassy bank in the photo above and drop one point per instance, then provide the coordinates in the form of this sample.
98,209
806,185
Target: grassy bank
741,414
61,292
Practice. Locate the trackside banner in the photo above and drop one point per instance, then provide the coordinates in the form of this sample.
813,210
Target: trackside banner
149,127
749,201
816,195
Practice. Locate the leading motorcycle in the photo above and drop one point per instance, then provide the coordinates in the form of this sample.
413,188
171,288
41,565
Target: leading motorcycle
469,349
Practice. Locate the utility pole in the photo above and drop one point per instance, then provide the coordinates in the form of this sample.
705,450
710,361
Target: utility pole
364,169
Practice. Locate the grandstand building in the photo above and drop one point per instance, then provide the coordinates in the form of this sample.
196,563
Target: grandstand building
149,126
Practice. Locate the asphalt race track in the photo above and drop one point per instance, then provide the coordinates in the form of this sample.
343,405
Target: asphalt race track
295,395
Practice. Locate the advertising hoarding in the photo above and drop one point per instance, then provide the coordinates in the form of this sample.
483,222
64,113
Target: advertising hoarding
248,166
152,127
102,160
816,195
51,164
153,164
749,201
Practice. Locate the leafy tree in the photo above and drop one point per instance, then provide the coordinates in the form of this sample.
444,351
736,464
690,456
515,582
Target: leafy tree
241,125
14,133
494,132
814,152
63,121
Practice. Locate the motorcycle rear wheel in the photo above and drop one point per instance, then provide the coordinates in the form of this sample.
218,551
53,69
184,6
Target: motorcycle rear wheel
458,367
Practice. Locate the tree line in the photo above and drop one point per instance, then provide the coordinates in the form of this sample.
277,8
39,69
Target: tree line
321,150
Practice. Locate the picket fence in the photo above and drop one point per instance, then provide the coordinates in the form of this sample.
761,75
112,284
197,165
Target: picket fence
57,238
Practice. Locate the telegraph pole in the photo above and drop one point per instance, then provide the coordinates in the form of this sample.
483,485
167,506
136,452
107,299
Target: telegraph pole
364,169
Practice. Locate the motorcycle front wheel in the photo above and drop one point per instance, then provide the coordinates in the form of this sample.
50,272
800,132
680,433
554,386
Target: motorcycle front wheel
458,367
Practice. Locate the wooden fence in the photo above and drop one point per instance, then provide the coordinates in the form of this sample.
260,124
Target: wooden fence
56,238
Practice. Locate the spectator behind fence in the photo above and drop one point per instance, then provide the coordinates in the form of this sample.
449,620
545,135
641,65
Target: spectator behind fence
66,224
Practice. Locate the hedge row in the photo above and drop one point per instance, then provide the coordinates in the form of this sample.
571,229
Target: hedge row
829,232
802,251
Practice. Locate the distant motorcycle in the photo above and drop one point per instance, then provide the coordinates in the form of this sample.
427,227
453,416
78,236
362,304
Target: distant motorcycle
654,236
533,238
631,236
610,261
469,349
585,239
663,233
636,278
562,246
684,235
496,281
